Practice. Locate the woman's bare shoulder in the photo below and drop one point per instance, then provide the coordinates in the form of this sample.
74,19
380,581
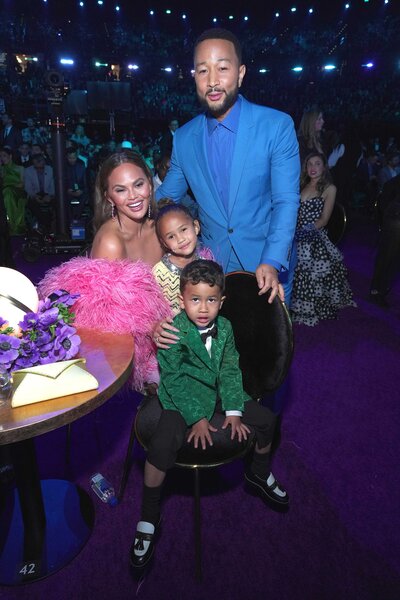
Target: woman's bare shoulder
108,243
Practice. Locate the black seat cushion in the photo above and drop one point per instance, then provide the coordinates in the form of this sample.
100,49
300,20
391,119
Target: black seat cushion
223,450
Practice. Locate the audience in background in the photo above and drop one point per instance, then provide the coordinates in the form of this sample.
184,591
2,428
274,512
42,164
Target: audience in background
40,190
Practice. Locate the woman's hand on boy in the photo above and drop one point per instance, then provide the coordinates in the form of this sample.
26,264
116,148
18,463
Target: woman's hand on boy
201,432
163,334
237,427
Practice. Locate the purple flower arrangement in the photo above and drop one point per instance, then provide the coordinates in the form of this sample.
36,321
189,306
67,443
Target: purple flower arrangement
46,336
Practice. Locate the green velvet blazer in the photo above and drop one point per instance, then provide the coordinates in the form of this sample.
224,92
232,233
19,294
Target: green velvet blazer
191,380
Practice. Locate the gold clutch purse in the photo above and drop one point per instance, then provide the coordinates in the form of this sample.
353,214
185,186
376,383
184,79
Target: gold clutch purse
45,382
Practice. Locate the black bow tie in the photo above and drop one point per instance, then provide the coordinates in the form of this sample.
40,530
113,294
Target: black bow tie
211,332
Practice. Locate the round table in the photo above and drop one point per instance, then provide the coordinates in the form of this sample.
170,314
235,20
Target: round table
44,524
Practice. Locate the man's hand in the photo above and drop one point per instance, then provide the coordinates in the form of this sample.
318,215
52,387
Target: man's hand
201,432
237,427
163,334
267,278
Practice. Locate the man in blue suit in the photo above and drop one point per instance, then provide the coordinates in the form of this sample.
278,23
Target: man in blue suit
241,162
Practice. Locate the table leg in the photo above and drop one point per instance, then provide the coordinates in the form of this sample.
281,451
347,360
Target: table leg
43,525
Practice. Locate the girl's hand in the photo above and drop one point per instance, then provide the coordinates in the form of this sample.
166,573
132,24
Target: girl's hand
163,334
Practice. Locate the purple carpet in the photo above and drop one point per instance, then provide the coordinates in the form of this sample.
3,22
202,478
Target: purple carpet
338,459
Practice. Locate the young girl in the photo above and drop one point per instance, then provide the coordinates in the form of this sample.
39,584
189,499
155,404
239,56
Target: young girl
177,232
320,286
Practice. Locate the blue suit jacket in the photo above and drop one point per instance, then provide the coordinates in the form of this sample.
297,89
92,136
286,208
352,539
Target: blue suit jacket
264,187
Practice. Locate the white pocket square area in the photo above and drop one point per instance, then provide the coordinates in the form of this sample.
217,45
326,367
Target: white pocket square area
45,382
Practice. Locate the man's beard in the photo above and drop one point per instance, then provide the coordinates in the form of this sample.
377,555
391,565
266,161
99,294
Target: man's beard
227,103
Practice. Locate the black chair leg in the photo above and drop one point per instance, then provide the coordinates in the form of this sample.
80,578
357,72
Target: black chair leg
197,524
127,463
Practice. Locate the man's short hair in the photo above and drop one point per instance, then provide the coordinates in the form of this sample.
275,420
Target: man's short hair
217,33
71,150
203,271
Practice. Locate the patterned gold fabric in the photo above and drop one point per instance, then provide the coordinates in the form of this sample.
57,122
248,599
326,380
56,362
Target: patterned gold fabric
167,276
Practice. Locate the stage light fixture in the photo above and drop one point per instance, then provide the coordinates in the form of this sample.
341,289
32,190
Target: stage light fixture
151,12
214,19
230,17
297,69
66,61
347,6
81,4
311,10
263,70
183,16
329,67
246,18
293,9
368,65
168,11
100,2
117,8
168,69
99,64
276,14
133,67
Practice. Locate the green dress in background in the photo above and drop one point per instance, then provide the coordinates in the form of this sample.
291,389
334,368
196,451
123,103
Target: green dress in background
14,198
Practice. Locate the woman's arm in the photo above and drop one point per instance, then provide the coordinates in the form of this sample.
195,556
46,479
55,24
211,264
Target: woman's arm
329,196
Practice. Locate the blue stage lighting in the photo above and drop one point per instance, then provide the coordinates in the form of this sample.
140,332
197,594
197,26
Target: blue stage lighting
263,70
133,67
230,17
368,65
347,6
66,61
311,10
100,2
329,67
214,19
183,16
81,4
168,69
117,8
246,18
168,11
152,12
276,14
297,69
293,9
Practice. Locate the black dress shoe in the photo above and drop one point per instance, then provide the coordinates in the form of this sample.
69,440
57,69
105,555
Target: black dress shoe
142,548
265,491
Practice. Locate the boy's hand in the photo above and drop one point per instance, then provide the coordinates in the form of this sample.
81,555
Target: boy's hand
237,427
201,431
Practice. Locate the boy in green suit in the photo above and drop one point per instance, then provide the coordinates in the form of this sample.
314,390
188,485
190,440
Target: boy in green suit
199,376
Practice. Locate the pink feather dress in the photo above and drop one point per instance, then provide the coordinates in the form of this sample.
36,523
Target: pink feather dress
119,296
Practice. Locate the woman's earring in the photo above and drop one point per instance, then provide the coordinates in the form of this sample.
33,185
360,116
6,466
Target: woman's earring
149,211
113,211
